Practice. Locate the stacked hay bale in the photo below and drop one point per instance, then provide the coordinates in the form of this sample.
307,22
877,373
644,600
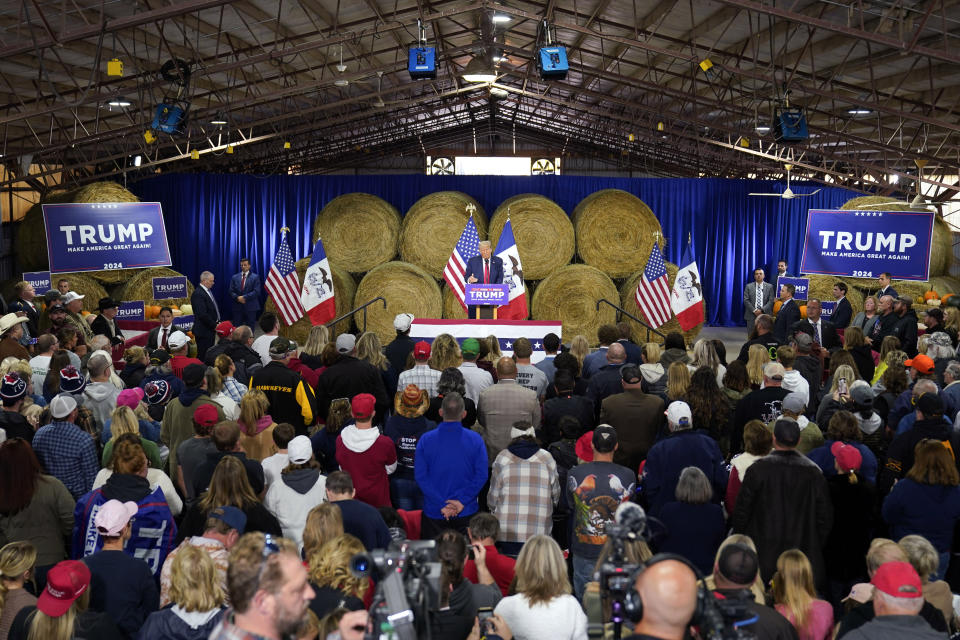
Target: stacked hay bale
107,192
31,246
628,301
821,287
360,231
140,287
570,294
615,232
89,288
407,289
344,287
543,232
432,227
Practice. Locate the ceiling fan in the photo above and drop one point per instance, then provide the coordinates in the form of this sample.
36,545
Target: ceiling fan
918,202
788,193
340,80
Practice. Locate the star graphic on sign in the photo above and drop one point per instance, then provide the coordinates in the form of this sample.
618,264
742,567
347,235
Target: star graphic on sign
509,345
536,345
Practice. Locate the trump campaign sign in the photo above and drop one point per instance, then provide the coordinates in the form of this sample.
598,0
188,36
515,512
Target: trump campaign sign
102,236
864,244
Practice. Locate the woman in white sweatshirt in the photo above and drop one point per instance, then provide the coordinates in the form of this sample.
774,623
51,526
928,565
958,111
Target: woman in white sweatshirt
299,489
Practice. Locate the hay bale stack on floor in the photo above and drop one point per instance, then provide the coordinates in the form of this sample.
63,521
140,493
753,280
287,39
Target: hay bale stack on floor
432,227
140,287
570,295
821,287
543,232
407,289
86,286
628,301
944,285
359,231
344,288
453,310
31,244
615,231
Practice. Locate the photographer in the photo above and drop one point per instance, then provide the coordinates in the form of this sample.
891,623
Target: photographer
735,572
668,590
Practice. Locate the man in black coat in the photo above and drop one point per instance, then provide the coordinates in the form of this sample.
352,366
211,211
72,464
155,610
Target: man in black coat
104,325
605,381
823,332
886,325
763,326
349,376
905,327
206,314
788,315
784,503
23,303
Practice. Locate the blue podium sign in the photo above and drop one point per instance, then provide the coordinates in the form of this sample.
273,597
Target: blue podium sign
487,294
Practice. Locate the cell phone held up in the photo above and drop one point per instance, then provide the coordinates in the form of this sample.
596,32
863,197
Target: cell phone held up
842,387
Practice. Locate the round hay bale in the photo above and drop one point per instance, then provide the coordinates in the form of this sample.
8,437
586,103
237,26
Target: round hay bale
615,231
140,287
944,285
453,310
359,231
407,289
821,287
629,302
31,241
432,227
941,249
344,287
570,294
543,232
104,192
86,286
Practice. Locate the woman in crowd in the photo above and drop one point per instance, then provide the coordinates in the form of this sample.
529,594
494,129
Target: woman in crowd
736,384
51,383
444,353
927,501
229,486
705,355
231,386
34,506
580,348
926,561
542,607
299,489
136,360
405,427
864,320
124,420
126,473
570,363
451,381
894,382
888,345
231,410
197,600
678,381
331,578
324,522
694,524
325,439
862,355
844,427
651,369
861,403
708,406
757,442
488,356
16,569
369,349
757,358
833,400
256,426
458,597
61,612
310,354
796,599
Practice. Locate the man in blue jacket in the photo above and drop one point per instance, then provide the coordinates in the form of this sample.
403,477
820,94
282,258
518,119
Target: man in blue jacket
245,293
451,468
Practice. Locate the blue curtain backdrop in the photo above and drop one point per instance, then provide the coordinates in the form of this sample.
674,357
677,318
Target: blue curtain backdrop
213,220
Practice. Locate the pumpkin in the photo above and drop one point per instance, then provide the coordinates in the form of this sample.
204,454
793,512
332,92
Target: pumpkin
934,302
176,312
153,311
776,305
84,313
803,311
929,295
187,309
944,299
919,300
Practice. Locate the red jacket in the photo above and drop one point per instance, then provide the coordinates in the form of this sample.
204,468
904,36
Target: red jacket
368,457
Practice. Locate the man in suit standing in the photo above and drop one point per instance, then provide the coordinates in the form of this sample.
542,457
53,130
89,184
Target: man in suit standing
843,311
885,289
206,314
824,333
757,299
158,336
23,304
245,293
788,315
484,268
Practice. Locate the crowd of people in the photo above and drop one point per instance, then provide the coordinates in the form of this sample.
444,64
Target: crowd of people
227,491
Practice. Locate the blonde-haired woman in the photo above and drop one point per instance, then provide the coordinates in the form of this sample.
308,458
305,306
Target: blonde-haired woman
317,339
231,410
796,599
543,606
705,355
231,386
136,360
580,348
256,426
324,523
16,568
331,578
370,349
757,358
124,420
678,381
445,352
197,599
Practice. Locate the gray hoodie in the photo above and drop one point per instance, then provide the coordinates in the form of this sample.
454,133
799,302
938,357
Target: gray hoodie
101,399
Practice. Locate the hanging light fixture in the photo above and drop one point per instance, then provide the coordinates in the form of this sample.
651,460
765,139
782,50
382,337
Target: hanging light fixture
119,101
219,120
479,70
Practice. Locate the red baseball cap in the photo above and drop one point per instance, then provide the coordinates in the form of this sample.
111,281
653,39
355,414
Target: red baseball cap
362,406
205,415
65,583
421,350
225,328
922,363
848,457
898,579
584,447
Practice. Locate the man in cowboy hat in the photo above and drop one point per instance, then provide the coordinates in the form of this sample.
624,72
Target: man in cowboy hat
11,330
104,324
405,428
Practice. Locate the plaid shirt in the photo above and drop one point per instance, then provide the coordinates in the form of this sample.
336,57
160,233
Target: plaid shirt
523,493
68,454
226,630
236,390
422,376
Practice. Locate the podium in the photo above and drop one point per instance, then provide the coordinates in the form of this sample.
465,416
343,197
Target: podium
483,299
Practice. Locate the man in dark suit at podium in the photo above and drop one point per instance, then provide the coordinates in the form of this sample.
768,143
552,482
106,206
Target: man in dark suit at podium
484,268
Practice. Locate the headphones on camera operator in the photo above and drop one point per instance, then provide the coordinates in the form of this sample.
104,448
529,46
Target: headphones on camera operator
633,603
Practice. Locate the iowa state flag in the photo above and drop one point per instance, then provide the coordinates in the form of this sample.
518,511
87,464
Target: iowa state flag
687,297
317,293
512,276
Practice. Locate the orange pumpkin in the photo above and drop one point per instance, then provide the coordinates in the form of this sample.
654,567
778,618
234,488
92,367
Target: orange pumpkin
943,300
919,300
929,295
803,311
776,305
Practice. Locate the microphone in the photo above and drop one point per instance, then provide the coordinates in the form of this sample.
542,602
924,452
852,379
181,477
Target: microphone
632,517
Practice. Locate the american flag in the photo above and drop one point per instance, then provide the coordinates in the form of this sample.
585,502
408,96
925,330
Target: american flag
467,246
653,290
283,285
